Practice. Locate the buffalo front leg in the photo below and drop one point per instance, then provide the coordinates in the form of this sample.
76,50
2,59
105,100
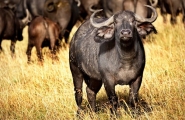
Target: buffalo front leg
164,13
133,93
39,53
173,20
92,89
53,51
28,52
12,47
110,91
78,82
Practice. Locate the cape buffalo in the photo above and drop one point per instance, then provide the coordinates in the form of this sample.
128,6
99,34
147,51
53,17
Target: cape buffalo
10,27
42,32
172,7
110,52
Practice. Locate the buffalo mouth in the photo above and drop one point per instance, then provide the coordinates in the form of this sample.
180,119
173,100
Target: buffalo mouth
126,38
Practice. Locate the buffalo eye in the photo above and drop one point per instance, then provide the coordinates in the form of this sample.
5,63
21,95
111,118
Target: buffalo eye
117,21
131,20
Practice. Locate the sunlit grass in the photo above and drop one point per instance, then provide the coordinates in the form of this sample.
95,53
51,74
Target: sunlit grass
46,92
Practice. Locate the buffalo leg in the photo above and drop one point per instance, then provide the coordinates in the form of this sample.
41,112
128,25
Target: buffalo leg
52,54
12,47
164,18
133,93
78,83
173,19
92,89
173,15
39,53
110,90
53,49
28,52
164,13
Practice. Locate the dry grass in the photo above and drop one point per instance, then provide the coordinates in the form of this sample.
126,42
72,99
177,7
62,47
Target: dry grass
32,92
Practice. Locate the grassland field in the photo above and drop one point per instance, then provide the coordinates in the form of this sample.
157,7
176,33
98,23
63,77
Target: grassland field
35,92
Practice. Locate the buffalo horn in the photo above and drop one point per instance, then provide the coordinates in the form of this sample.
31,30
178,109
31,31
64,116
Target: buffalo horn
105,23
26,19
91,9
78,3
50,5
152,19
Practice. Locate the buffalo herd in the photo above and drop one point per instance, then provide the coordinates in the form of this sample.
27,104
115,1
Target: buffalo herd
106,49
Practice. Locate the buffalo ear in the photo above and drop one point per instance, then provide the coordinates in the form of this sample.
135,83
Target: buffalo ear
105,33
145,29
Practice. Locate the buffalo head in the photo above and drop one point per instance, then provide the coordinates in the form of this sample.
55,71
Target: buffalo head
123,25
53,5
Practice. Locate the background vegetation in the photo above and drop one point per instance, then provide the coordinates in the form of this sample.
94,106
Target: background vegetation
32,92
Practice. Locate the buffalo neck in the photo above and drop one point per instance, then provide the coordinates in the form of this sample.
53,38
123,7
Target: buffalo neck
127,51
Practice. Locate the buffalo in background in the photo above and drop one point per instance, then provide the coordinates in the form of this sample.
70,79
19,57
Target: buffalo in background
172,7
10,27
42,32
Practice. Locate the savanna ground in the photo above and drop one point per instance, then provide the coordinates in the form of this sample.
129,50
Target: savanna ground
34,92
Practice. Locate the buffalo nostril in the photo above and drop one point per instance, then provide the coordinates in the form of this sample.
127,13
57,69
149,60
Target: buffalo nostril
125,32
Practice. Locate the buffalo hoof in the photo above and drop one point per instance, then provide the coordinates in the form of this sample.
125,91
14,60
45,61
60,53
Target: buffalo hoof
30,62
80,114
41,63
13,55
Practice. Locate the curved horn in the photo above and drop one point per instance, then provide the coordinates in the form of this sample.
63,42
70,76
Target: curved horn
105,23
78,3
91,9
49,6
152,19
26,20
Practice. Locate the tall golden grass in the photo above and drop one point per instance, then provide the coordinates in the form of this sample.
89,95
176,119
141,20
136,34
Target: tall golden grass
32,92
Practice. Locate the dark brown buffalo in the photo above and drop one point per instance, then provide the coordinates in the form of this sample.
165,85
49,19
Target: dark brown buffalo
10,27
42,32
110,52
172,7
